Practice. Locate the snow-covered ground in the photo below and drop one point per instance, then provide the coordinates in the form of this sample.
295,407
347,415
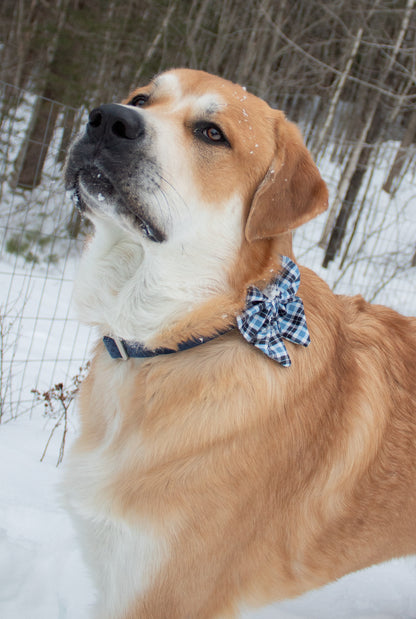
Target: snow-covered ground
42,575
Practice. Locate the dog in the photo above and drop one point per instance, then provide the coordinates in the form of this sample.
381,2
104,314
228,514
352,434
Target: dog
221,465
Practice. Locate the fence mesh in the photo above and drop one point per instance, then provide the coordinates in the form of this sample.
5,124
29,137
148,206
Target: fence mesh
41,340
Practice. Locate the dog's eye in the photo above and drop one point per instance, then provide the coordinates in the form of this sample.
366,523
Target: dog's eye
211,134
139,100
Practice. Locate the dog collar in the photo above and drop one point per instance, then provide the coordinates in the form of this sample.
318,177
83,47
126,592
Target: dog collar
121,349
268,318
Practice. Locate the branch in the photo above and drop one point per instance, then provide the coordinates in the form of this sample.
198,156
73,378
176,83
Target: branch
328,67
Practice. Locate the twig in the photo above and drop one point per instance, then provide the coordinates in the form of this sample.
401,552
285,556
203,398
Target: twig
64,396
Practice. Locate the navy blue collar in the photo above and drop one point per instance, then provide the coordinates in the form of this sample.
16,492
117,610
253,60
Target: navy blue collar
121,349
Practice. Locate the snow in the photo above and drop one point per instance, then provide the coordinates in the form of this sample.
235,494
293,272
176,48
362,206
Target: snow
41,571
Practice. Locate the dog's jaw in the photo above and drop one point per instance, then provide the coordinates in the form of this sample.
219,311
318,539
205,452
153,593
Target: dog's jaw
133,288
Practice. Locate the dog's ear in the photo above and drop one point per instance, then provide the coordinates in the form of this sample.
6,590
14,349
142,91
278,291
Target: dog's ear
292,192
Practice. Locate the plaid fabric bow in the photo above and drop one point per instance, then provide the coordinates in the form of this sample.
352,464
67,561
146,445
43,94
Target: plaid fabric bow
275,314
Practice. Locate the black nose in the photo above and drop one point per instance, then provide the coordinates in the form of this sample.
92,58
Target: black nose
113,121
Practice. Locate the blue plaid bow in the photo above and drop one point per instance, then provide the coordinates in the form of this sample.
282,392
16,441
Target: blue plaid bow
275,314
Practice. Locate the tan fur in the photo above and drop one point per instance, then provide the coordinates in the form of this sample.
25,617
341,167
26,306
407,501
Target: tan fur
265,481
292,191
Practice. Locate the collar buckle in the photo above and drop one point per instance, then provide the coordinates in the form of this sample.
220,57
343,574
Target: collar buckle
121,348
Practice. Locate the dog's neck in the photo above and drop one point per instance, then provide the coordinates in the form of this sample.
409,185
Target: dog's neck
270,316
158,296
148,293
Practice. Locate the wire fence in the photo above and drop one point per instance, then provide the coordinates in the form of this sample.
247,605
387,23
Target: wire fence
41,340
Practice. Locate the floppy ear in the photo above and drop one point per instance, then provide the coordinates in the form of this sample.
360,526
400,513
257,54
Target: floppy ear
291,193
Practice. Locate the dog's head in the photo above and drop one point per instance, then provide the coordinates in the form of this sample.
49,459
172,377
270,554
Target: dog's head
193,165
192,138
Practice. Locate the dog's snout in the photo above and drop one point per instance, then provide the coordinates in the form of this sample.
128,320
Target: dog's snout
115,121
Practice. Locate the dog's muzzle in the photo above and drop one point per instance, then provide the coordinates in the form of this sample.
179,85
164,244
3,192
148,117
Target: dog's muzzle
111,162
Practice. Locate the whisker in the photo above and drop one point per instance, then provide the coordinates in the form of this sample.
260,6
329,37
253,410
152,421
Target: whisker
165,180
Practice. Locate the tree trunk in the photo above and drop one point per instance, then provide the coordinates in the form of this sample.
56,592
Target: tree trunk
341,222
100,78
347,174
154,44
72,120
32,155
400,157
338,231
37,143
338,90
194,23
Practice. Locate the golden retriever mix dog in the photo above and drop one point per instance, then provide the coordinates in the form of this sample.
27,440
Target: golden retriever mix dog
243,439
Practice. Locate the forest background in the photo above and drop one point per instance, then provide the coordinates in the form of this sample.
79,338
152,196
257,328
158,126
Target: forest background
356,59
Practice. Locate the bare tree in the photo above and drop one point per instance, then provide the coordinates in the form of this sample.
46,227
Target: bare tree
33,152
364,147
408,137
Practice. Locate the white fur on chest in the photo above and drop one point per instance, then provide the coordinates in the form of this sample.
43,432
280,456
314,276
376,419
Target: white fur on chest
131,287
123,556
122,560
